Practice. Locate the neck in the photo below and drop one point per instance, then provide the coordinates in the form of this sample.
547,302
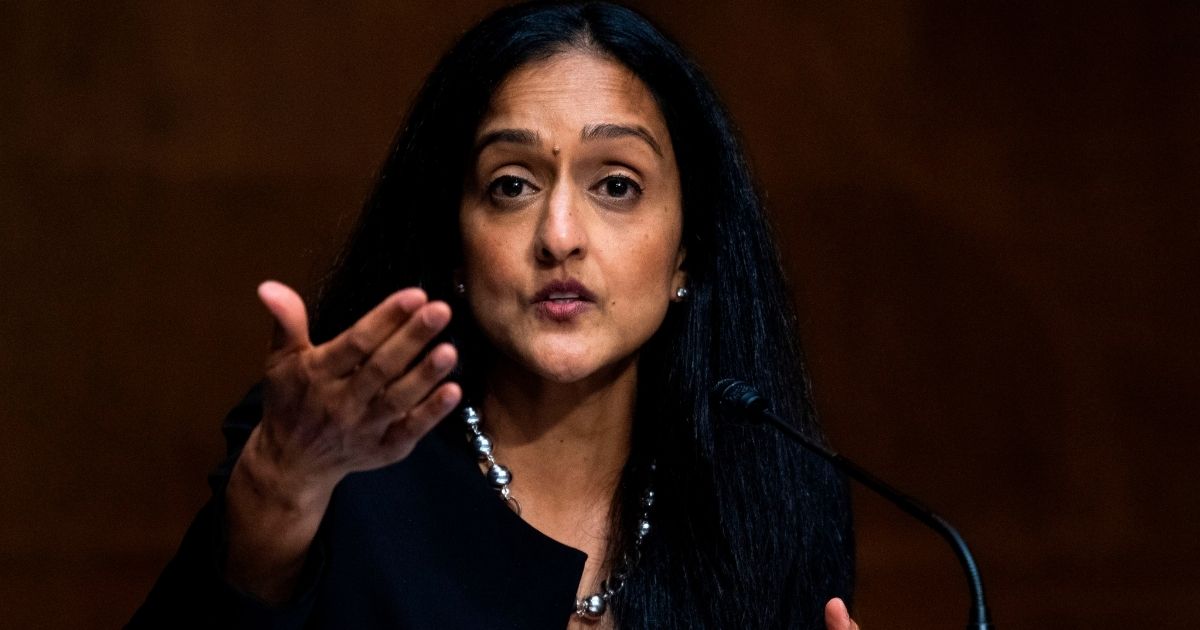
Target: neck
566,443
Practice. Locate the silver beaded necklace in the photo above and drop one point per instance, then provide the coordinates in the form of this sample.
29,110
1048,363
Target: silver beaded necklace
591,606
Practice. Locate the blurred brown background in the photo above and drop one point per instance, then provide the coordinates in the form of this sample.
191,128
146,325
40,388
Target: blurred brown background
988,211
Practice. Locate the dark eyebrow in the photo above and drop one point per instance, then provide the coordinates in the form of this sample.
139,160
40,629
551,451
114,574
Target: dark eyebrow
612,130
517,136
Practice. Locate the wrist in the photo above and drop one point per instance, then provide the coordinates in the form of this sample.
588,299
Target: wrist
271,519
260,477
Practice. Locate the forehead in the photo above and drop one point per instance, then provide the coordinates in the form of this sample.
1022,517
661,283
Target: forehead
572,90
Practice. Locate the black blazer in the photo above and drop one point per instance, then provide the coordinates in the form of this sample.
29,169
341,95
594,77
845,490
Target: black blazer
425,543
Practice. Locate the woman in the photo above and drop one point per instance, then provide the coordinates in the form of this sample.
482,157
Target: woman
592,257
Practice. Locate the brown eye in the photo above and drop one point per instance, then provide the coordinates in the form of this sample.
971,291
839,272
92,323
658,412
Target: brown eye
620,186
508,186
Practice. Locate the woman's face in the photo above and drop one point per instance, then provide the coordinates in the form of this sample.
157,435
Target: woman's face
571,218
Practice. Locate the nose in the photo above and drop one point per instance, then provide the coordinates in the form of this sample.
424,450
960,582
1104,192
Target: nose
561,233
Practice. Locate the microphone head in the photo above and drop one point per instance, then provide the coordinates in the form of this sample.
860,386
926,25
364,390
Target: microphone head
733,395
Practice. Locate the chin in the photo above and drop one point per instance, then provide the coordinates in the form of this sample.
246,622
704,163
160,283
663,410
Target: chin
566,369
563,361
564,372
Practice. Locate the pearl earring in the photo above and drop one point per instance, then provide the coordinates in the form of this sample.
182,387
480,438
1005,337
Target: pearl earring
460,288
682,293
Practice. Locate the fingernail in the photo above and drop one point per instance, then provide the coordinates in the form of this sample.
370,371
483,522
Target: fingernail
449,399
410,301
442,361
433,317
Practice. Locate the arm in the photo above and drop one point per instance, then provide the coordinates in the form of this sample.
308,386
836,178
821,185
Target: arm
192,591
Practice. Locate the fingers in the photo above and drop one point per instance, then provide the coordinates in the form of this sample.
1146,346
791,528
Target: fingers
393,356
401,436
345,352
291,319
837,617
404,393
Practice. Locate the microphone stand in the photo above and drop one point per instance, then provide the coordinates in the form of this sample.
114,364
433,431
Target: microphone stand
735,395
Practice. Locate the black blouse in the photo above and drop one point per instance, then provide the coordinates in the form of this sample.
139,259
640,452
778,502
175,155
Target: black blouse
425,543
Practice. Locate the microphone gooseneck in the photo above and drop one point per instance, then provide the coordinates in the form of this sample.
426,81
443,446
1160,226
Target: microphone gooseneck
738,397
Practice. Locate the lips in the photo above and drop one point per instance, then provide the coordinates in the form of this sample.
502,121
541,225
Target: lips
563,300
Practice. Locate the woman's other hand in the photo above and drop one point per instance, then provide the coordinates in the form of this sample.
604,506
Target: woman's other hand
837,617
358,402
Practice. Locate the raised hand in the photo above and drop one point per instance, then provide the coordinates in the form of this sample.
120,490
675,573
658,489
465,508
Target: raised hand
353,403
358,402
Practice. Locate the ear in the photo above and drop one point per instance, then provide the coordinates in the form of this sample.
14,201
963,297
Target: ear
679,279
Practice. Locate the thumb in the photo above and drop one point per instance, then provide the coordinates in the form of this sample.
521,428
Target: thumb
291,319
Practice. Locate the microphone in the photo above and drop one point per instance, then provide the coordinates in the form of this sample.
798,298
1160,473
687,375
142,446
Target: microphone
734,396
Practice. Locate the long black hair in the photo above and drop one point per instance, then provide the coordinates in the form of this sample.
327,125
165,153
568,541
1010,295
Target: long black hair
748,532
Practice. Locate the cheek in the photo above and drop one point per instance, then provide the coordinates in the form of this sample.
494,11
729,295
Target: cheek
496,272
647,272
488,260
655,253
485,268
